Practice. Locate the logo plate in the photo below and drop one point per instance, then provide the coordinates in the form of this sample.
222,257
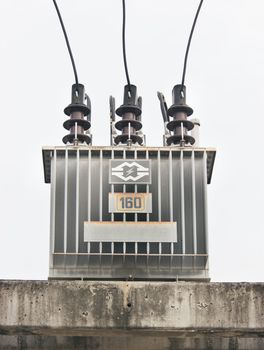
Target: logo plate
130,172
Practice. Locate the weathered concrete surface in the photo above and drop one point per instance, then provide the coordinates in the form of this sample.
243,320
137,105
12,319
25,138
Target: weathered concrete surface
109,312
28,342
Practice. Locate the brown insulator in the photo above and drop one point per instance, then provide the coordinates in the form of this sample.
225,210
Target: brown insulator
80,114
178,113
130,112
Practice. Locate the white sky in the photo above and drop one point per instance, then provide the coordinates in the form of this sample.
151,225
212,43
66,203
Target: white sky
224,87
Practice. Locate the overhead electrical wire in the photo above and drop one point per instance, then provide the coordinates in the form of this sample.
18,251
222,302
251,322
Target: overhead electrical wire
68,46
188,45
124,44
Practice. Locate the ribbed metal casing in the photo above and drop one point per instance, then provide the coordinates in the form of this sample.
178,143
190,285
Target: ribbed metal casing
80,188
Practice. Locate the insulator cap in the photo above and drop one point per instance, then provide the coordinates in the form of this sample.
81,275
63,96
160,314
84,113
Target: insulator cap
130,103
179,101
77,104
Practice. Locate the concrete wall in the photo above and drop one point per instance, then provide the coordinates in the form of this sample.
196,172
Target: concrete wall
131,315
129,343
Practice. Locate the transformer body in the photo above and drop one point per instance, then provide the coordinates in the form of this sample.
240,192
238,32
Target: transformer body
128,212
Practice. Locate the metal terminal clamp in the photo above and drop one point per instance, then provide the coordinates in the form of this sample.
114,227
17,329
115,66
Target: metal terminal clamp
130,125
80,117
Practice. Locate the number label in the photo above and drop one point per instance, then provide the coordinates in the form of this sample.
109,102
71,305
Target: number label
130,202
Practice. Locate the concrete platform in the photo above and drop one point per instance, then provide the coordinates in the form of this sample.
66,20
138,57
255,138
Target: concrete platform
131,315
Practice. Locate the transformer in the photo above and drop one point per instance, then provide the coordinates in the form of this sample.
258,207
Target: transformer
128,211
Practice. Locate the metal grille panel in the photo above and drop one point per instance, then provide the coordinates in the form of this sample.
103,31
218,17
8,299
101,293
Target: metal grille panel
80,188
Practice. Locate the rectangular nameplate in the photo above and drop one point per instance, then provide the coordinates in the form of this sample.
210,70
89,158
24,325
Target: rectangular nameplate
130,202
118,231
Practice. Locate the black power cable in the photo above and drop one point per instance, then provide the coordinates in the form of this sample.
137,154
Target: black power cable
68,46
124,45
188,46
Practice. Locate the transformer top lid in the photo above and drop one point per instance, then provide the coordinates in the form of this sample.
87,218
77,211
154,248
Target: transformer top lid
48,153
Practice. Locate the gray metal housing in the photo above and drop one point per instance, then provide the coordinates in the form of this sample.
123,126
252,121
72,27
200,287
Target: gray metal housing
79,177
